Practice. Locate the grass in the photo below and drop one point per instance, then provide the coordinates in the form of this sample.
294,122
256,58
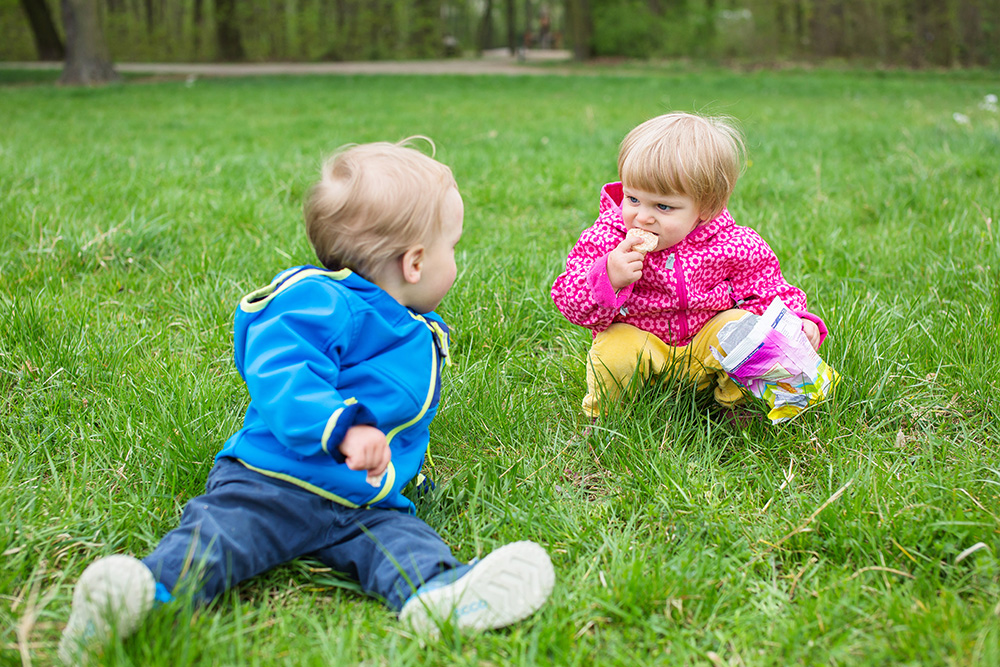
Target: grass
865,532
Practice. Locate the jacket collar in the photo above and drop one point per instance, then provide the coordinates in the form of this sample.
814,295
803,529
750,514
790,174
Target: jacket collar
705,232
611,203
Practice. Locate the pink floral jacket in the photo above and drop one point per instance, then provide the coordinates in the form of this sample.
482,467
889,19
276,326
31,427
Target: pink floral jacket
718,266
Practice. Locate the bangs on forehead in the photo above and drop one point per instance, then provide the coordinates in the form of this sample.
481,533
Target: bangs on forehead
684,154
654,173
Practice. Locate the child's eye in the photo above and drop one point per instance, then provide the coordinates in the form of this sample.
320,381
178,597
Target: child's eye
632,200
664,207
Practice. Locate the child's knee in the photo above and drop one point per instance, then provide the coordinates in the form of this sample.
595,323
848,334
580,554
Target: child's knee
618,351
611,369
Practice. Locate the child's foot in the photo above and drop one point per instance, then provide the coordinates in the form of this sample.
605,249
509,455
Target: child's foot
113,595
506,586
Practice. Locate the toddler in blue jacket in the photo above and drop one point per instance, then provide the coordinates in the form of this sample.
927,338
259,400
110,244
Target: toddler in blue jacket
343,367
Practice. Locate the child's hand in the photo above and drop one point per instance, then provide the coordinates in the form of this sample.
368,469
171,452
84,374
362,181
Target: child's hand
625,264
366,448
811,331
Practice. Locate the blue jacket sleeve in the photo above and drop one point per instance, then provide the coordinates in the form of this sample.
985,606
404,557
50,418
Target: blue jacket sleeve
292,362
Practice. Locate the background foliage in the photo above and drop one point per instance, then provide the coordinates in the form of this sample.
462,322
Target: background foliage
915,33
911,33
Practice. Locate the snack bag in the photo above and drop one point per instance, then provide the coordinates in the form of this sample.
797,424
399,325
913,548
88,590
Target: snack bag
771,357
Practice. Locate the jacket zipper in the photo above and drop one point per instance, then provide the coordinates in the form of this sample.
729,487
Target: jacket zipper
389,481
681,299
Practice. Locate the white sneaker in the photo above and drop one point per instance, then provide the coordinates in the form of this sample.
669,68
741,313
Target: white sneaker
506,586
113,595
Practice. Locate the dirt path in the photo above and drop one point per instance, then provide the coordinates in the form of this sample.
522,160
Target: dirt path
493,62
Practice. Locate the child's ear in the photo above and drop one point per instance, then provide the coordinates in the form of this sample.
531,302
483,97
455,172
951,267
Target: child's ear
412,264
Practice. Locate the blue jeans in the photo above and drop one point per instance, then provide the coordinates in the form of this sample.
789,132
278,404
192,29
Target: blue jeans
247,523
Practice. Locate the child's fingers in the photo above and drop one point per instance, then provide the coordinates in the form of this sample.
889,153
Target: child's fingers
375,459
811,331
626,244
376,472
357,462
627,247
380,461
365,448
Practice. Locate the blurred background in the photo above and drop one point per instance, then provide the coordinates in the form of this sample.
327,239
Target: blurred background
890,33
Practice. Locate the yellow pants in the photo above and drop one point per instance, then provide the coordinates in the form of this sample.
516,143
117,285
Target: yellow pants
623,352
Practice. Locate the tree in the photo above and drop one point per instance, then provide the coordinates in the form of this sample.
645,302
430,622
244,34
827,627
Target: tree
227,32
87,58
486,27
511,27
47,41
198,11
580,26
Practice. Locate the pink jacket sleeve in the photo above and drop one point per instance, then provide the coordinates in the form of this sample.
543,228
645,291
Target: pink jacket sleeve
583,293
760,282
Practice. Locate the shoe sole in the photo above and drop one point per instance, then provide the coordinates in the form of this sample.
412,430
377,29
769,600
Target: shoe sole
113,594
507,586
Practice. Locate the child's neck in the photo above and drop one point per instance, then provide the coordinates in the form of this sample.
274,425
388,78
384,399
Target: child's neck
391,281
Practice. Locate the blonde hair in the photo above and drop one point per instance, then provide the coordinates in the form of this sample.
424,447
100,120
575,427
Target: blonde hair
373,202
682,153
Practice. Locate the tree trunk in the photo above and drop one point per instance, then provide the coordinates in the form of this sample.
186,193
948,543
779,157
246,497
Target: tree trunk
87,58
227,32
197,19
528,38
47,41
801,31
707,41
511,27
578,14
486,28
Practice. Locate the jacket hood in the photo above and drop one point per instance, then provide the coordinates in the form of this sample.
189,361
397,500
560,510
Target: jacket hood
612,195
389,309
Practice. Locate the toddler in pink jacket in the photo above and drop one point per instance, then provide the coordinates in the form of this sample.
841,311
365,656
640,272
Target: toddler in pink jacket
661,310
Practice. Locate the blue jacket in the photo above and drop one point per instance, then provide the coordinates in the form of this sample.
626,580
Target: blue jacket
321,351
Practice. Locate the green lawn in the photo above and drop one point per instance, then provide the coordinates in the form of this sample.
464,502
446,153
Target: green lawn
865,532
